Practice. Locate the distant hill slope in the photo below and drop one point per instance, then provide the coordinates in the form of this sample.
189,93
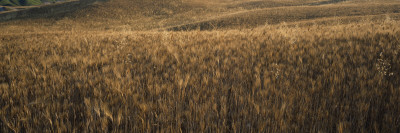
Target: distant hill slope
178,15
23,2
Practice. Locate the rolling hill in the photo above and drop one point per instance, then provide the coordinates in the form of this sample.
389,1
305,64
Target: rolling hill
185,15
22,2
25,2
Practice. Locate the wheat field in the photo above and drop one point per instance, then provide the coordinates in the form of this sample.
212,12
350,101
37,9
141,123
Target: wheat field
204,66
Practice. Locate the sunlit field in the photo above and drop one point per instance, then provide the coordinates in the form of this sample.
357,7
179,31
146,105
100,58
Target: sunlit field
204,66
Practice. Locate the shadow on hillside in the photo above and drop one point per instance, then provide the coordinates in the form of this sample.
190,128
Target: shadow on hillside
323,3
272,4
239,20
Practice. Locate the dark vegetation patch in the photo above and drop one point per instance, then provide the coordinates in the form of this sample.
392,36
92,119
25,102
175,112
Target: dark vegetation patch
23,2
256,18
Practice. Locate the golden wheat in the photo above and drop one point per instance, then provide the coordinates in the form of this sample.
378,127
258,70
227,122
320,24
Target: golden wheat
290,77
271,79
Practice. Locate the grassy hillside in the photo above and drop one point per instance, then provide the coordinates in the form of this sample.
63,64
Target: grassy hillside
6,3
144,15
20,2
300,67
260,17
23,2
